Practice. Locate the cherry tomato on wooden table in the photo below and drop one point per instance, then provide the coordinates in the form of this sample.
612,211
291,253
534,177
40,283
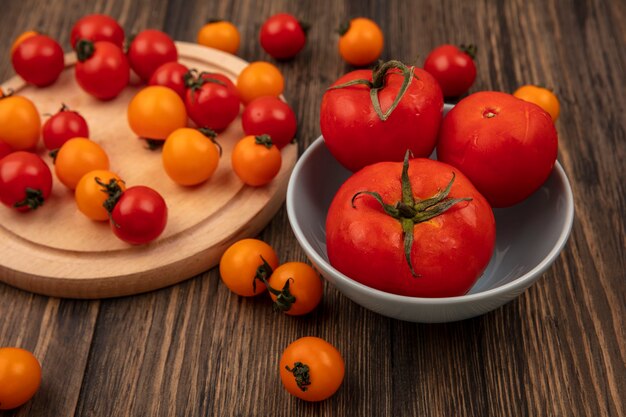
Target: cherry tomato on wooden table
542,97
212,100
190,156
219,34
93,191
256,160
282,36
295,288
63,126
417,228
25,181
311,369
38,59
361,128
97,27
270,116
259,79
361,42
453,68
20,124
77,157
102,69
506,146
243,262
171,75
149,50
155,112
20,377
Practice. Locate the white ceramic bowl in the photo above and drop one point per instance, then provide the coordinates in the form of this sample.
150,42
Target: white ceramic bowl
529,237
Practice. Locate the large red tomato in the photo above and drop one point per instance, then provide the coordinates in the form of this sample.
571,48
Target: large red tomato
506,146
97,27
38,60
149,50
361,128
212,100
102,69
417,228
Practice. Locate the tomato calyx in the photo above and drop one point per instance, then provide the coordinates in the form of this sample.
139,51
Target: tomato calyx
379,76
195,80
114,192
211,134
470,50
301,373
410,211
84,49
263,273
34,198
264,140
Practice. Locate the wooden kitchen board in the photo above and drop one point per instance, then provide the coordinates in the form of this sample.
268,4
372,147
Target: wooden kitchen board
57,251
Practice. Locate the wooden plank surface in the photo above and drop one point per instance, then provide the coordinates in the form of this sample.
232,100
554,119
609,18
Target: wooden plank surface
195,349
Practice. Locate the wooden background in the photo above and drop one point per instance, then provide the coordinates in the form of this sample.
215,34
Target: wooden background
195,349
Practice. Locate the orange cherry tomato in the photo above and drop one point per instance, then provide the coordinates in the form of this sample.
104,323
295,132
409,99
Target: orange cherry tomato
20,124
22,38
155,112
542,97
296,288
311,369
256,160
20,377
190,156
91,193
241,263
259,79
361,42
77,157
220,35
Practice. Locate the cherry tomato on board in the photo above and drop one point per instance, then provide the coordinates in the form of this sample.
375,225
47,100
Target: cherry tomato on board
540,96
149,50
38,59
77,157
63,126
20,124
361,42
256,160
25,181
453,68
259,79
4,149
417,228
102,69
155,112
282,36
92,192
190,156
171,75
311,369
295,288
20,377
243,261
220,35
139,216
270,116
506,146
21,38
97,27
212,100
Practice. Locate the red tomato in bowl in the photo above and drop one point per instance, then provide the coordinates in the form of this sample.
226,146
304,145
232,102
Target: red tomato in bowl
149,50
97,27
25,181
419,248
212,100
63,126
38,60
453,68
506,146
282,36
102,69
171,75
358,135
139,216
270,116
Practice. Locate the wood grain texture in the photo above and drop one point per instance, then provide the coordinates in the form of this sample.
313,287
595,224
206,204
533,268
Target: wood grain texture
195,349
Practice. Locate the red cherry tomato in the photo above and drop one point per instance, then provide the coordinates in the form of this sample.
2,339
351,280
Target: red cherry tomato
4,149
102,69
149,50
212,100
139,216
38,60
97,27
25,181
453,68
63,126
270,116
282,36
171,75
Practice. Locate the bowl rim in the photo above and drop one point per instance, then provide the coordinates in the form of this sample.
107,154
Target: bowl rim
521,282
